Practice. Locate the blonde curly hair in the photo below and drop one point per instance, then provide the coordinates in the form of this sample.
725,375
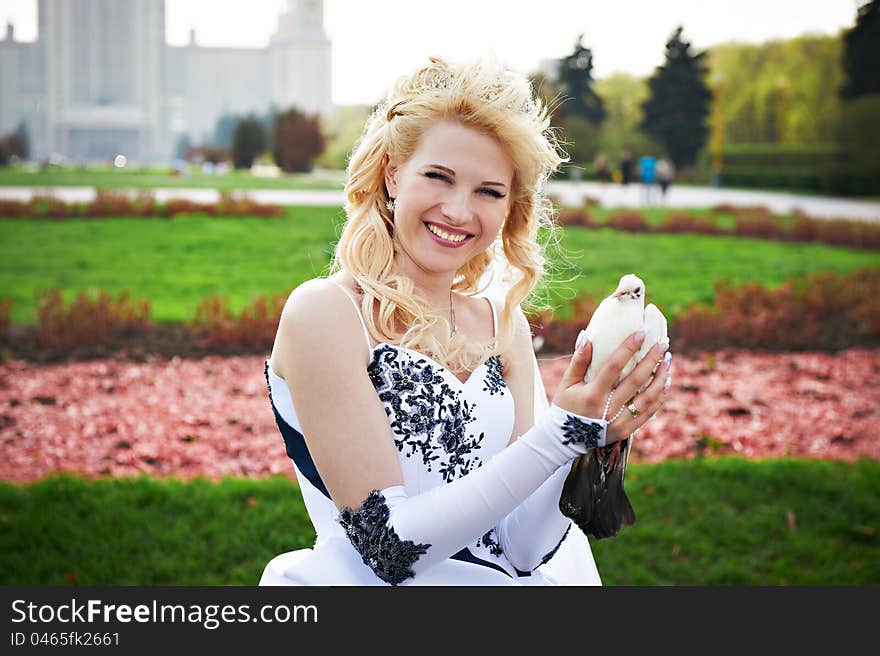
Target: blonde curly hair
497,102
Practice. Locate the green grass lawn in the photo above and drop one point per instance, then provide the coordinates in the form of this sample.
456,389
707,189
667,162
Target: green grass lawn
724,521
176,263
151,178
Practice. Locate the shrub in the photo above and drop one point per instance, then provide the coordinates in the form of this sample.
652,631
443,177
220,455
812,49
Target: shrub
629,221
215,326
757,222
5,309
176,206
678,222
823,310
109,203
575,217
231,204
87,320
558,336
11,209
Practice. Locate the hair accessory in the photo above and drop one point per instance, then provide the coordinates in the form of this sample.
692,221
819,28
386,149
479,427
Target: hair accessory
440,80
390,204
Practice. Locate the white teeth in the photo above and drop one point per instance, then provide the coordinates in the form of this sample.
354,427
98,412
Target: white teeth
440,233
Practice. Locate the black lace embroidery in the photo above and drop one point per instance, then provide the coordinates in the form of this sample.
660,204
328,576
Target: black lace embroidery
268,386
491,543
494,381
420,404
380,547
550,553
578,431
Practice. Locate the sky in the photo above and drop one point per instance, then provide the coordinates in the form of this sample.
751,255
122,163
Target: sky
375,42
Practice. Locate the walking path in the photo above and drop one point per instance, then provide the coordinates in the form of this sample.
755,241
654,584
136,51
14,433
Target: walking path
567,193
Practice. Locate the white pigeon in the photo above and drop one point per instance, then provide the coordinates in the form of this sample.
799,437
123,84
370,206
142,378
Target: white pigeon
619,316
593,494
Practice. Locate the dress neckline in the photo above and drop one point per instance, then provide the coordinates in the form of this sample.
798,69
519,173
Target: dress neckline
373,350
463,383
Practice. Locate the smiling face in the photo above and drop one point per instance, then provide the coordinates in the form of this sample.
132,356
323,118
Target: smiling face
452,196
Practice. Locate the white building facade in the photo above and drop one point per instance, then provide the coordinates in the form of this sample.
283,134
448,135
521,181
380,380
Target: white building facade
100,79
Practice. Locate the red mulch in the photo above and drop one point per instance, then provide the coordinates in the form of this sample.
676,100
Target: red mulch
211,416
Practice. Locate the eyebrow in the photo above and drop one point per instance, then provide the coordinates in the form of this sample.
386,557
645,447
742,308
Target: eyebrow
451,172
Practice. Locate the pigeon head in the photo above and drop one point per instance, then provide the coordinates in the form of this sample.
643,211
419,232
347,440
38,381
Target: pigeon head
630,288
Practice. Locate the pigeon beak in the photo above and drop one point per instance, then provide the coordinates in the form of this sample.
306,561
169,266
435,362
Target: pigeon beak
620,293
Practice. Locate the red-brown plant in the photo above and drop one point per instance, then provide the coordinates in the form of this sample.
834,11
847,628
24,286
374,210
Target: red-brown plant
215,326
629,221
678,222
5,310
89,320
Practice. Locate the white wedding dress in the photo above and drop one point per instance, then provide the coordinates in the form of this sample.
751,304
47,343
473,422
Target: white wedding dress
479,415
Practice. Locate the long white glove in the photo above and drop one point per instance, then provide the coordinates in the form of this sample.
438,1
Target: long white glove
532,532
399,536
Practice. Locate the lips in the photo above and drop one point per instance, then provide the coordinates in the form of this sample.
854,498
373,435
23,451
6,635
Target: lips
451,231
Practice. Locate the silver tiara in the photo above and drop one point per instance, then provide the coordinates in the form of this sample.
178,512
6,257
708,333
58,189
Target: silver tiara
441,81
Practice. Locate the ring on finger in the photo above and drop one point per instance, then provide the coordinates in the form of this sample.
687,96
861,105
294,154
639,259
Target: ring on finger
633,410
622,408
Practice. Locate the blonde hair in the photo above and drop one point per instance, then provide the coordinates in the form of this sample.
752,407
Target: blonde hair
497,102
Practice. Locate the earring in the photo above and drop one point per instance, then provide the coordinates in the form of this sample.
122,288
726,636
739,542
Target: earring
390,205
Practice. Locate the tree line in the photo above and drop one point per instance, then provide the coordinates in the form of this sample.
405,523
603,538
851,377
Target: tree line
815,97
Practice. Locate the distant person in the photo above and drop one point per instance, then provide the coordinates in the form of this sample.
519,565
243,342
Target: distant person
665,173
603,173
648,176
626,168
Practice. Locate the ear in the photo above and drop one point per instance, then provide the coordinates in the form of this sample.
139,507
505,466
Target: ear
390,177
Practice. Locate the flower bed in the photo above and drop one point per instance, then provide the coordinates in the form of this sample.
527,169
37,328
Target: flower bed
211,416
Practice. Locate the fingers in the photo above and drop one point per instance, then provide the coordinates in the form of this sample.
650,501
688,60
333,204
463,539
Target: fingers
647,402
610,372
580,362
640,375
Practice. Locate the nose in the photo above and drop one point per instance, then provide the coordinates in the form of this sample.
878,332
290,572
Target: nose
457,208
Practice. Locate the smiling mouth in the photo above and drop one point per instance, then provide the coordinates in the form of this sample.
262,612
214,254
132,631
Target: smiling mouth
446,236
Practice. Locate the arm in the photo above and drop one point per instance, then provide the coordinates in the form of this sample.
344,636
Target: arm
398,535
534,529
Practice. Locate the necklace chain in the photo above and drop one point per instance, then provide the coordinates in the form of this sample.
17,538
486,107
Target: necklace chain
452,313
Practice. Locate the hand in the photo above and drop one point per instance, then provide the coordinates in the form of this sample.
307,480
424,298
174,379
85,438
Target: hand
588,399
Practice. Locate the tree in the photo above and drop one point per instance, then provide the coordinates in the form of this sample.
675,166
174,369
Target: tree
224,130
248,141
342,129
576,82
297,141
676,110
861,52
24,140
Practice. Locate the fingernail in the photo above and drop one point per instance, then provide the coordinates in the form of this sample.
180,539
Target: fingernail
640,337
667,359
668,382
581,341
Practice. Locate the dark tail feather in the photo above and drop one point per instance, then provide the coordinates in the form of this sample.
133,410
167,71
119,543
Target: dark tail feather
593,495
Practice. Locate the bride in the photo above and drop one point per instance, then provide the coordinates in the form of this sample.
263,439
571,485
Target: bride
405,385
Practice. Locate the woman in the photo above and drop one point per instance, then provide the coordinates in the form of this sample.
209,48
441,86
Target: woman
405,394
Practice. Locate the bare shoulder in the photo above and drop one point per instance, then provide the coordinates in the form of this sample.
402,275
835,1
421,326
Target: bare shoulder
316,317
518,354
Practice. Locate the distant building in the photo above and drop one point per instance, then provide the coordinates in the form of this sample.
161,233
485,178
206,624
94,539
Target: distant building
100,79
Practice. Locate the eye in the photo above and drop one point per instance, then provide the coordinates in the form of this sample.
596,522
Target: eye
494,193
434,175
